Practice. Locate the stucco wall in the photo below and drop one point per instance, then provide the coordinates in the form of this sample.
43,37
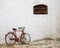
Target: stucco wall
15,13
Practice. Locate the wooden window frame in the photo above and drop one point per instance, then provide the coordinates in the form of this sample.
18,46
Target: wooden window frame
40,9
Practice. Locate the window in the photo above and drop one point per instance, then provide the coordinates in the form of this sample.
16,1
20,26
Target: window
40,9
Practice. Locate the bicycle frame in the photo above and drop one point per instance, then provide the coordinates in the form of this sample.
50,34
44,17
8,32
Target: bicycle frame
17,38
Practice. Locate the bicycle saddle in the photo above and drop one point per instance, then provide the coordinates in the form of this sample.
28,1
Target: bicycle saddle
14,29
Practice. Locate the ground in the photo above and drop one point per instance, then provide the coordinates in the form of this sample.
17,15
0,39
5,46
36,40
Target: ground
36,44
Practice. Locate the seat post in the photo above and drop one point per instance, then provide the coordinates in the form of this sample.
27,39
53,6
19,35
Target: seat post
15,32
14,29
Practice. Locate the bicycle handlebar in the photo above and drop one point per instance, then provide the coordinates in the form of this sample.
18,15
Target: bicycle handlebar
21,28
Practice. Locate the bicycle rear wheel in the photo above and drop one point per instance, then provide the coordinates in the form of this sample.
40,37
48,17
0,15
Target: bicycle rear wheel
25,38
8,39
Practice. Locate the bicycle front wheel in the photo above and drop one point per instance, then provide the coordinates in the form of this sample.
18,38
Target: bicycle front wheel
25,38
8,39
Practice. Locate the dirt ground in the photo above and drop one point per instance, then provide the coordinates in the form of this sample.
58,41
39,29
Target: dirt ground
36,44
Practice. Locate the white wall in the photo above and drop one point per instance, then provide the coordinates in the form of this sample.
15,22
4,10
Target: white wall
58,19
15,13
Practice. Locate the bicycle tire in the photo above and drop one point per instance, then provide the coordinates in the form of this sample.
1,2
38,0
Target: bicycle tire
23,38
7,42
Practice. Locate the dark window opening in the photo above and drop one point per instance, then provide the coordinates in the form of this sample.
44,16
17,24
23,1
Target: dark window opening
40,9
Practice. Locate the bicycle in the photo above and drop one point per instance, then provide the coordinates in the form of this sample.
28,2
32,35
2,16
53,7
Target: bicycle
11,37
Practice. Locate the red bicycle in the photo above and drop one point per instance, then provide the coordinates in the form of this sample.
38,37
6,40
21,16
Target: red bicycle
11,37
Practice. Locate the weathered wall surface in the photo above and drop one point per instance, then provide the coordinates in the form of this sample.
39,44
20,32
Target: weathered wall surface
15,13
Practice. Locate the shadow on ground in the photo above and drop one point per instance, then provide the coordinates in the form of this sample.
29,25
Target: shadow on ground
44,43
